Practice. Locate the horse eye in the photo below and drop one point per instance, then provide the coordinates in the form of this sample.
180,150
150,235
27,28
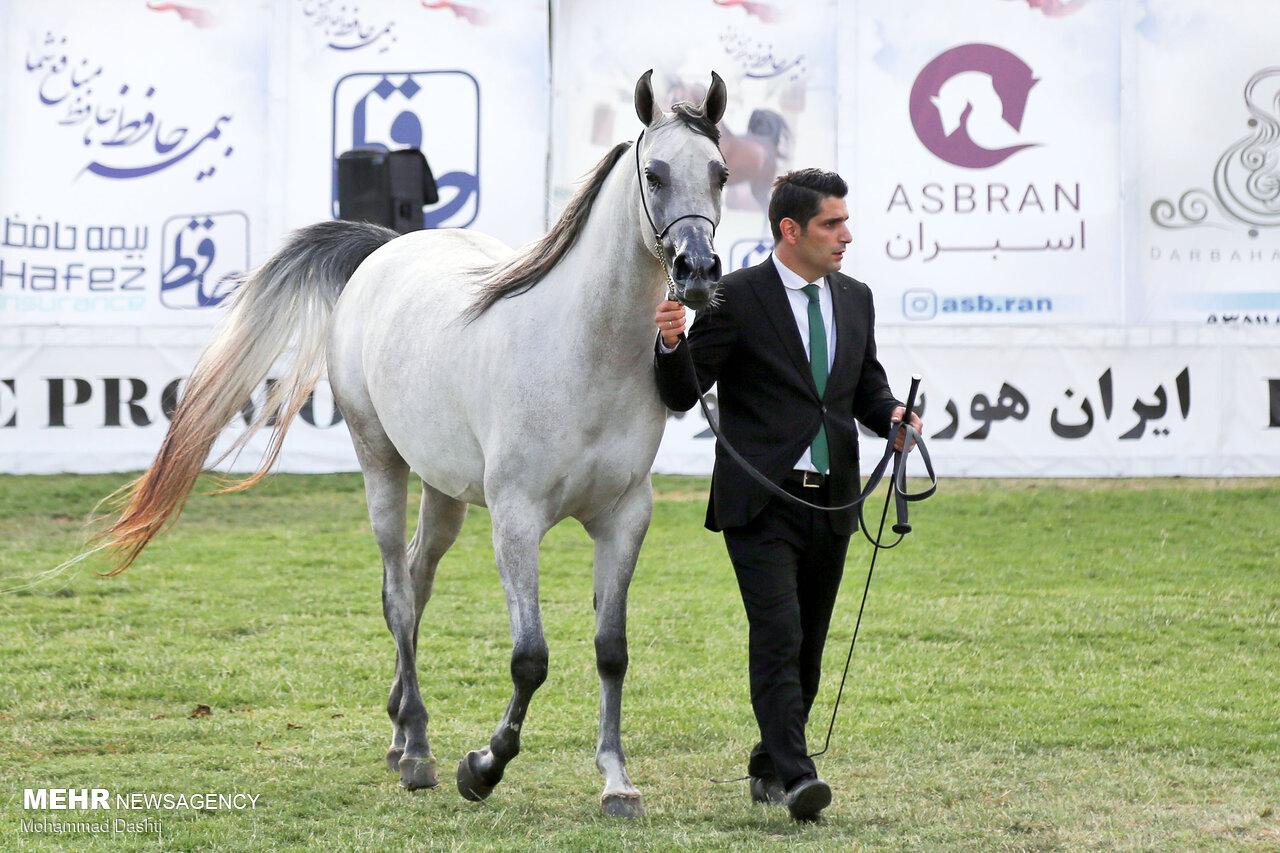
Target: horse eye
724,177
655,182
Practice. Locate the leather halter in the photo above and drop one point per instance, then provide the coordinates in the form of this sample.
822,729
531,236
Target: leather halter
658,235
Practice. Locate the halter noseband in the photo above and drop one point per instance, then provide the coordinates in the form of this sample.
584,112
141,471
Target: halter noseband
659,235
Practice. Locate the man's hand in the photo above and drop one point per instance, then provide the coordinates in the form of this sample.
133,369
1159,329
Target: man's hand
896,417
670,320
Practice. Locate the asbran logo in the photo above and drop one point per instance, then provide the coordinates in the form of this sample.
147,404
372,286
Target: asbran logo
967,104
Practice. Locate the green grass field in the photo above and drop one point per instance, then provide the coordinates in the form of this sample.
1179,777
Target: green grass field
1043,666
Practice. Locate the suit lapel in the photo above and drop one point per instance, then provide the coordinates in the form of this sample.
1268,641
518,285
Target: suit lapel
771,294
846,322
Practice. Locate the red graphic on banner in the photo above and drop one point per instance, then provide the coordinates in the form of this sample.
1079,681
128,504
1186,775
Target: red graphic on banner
1056,8
470,13
202,18
764,11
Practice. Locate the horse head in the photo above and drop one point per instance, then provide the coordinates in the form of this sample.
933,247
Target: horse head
681,175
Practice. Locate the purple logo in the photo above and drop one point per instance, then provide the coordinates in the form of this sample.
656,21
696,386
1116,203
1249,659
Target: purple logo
967,105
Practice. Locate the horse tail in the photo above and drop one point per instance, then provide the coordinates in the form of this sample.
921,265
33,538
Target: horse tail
288,300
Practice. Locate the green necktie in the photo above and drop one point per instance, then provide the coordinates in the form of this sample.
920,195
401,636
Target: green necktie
818,364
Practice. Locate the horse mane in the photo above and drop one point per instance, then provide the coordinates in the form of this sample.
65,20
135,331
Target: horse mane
528,267
696,120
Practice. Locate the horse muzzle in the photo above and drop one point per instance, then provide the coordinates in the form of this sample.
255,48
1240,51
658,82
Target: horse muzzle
697,278
695,267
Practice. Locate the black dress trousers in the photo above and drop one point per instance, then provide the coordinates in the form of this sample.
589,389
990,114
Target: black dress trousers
788,562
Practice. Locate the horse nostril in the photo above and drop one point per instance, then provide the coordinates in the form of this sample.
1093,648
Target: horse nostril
682,270
696,267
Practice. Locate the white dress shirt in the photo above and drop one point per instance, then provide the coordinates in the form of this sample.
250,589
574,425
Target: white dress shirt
799,300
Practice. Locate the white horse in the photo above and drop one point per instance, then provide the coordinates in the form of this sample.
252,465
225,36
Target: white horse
518,381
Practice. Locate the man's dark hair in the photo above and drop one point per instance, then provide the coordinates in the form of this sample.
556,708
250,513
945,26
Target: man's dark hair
798,195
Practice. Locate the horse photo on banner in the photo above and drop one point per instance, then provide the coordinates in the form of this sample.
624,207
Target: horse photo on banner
778,61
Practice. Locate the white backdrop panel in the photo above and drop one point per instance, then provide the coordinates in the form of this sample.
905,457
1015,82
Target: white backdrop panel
983,142
778,63
69,407
1208,162
466,83
1102,301
132,143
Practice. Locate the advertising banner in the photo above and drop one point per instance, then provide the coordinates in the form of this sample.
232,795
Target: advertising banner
1068,210
778,63
1207,108
983,142
1193,401
131,159
1190,401
467,83
106,407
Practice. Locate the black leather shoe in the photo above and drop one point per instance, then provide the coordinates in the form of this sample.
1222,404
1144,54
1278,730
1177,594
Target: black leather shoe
768,789
807,798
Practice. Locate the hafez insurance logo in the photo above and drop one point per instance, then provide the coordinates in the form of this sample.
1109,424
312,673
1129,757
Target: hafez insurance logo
437,112
203,256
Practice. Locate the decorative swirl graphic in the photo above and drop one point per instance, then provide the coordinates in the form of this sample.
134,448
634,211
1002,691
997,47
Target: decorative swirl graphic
1192,210
766,12
1246,178
470,14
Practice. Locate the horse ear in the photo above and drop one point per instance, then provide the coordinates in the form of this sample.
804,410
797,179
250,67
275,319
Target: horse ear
646,109
717,97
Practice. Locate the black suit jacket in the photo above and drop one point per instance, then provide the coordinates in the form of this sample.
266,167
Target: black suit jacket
769,406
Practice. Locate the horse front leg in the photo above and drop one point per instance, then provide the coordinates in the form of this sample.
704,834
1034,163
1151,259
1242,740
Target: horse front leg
618,538
516,536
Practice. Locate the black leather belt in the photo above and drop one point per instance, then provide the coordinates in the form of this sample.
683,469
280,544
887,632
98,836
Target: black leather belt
807,479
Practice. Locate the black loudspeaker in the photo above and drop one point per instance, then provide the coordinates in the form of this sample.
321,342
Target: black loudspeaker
386,187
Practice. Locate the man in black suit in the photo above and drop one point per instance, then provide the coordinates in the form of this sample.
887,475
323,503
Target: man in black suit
792,417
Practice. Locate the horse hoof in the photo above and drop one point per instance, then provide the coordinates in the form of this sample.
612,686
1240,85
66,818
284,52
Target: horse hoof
416,773
622,805
470,785
393,759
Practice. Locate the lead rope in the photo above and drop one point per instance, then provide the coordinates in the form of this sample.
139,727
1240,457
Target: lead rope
898,478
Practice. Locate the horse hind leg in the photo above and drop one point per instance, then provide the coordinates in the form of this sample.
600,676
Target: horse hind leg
516,536
386,477
440,519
